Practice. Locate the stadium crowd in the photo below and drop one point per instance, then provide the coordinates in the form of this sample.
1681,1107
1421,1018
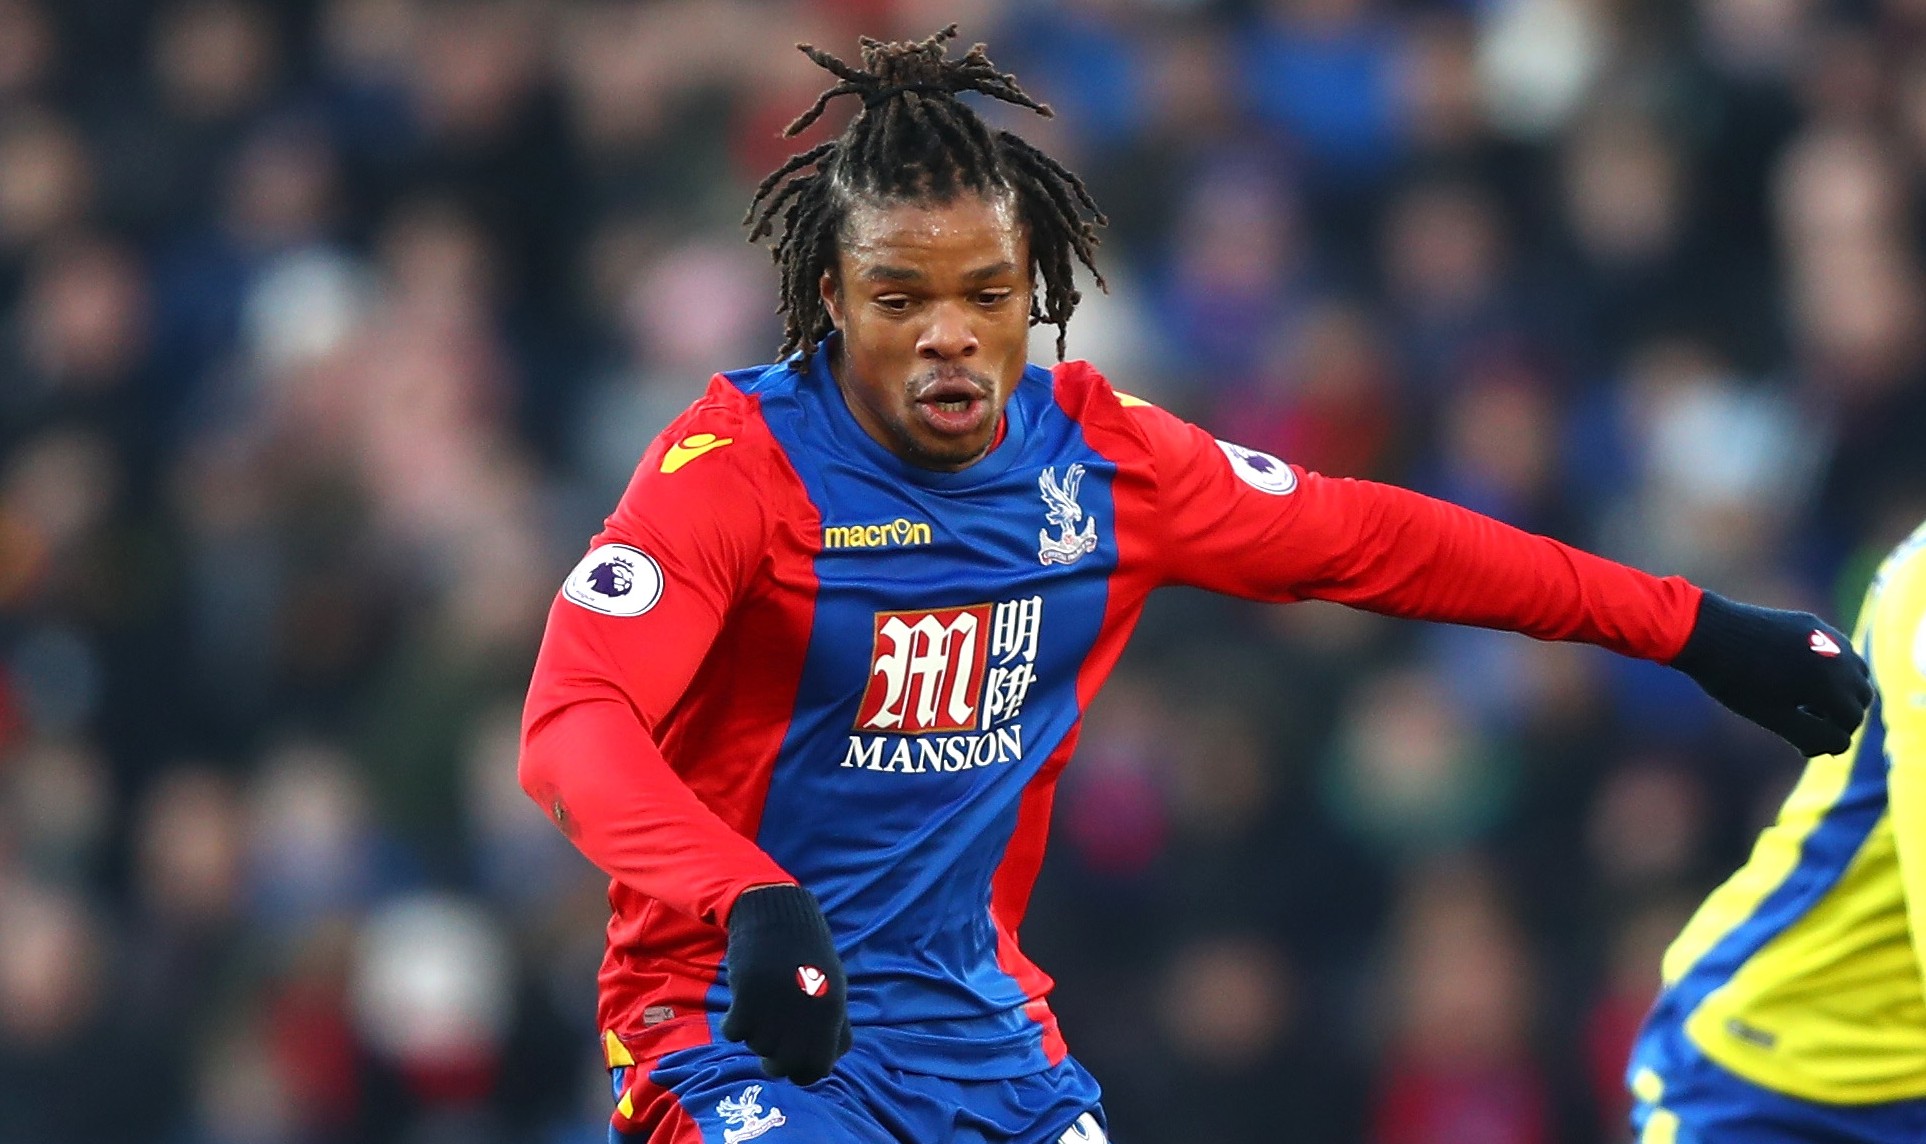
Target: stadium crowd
329,329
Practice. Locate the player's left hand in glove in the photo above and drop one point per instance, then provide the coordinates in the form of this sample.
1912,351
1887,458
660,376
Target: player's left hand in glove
788,996
1789,672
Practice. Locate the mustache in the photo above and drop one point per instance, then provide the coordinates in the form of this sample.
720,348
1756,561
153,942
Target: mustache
948,375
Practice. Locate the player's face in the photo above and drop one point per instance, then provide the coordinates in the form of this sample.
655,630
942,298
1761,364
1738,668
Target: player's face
933,301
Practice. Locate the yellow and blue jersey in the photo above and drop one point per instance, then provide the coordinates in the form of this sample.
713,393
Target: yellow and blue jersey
1802,974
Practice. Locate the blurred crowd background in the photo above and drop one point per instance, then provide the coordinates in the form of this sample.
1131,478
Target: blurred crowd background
329,330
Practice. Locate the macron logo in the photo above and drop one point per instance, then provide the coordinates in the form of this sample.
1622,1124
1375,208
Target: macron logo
1823,644
813,981
691,447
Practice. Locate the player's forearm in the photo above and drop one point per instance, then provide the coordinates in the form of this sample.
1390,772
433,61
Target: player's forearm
1420,558
598,775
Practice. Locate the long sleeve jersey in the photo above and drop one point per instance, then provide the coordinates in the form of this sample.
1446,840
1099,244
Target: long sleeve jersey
1804,971
793,656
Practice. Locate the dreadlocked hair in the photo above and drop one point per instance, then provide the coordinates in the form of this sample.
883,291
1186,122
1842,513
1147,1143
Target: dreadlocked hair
913,139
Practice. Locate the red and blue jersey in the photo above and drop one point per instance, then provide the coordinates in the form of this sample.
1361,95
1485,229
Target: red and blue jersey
793,656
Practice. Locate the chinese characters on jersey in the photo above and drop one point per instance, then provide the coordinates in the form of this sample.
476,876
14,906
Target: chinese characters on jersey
946,687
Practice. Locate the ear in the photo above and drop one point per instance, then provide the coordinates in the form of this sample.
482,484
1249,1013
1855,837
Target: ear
832,295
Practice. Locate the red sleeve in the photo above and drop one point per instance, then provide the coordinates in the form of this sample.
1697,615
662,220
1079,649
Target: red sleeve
626,633
1245,523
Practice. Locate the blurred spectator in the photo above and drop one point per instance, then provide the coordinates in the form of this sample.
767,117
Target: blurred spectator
1240,271
188,847
182,951
1538,60
60,799
46,185
1445,273
1228,1007
277,200
1190,120
241,1096
56,496
54,1017
1498,452
1409,776
1116,820
1648,827
1322,72
79,358
210,66
1625,192
1326,399
312,851
29,51
430,994
1086,63
1460,1064
1722,467
1440,103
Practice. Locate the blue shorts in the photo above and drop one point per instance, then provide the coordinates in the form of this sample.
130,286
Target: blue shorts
718,1094
1684,1097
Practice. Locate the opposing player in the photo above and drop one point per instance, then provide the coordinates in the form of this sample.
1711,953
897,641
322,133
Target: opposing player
807,696
1793,1006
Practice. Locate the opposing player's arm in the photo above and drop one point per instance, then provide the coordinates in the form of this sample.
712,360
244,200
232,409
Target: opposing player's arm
625,635
1897,627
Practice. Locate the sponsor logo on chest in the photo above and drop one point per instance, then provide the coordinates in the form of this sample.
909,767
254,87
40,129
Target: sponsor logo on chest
899,533
946,687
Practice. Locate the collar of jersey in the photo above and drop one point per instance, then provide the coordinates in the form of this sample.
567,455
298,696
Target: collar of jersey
850,434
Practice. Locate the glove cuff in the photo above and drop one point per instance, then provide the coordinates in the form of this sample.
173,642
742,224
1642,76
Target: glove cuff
1724,629
786,909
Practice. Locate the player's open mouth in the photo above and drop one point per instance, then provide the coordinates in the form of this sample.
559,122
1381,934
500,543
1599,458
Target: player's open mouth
954,407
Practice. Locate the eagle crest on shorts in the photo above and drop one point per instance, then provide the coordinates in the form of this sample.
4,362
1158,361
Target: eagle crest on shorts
744,1118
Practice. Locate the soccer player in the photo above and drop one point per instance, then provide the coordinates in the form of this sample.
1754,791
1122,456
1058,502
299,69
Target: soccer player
1793,1006
807,696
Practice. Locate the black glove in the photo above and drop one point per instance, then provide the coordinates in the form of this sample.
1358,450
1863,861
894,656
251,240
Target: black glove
1789,672
787,993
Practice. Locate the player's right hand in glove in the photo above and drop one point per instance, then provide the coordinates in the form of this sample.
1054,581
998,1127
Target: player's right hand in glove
1789,672
788,997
